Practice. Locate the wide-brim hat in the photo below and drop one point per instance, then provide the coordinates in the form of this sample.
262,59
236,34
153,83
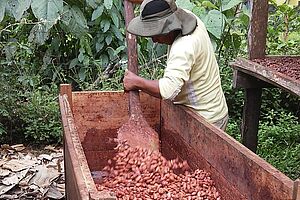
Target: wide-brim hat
160,17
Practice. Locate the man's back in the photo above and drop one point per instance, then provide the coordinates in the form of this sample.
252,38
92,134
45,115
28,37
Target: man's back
191,58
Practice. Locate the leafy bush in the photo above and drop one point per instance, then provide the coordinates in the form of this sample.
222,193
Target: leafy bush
279,142
28,112
283,30
41,118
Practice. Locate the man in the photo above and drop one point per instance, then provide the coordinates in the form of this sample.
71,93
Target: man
191,77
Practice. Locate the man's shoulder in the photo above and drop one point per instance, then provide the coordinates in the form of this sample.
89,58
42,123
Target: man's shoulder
200,24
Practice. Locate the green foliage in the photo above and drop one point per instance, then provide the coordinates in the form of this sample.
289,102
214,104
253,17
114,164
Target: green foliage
283,30
73,40
279,142
225,20
27,113
42,121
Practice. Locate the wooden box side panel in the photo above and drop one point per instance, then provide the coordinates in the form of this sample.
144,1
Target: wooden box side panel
79,183
109,111
75,187
74,181
233,167
99,115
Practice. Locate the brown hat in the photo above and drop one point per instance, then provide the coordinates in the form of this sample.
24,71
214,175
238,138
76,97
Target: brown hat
160,17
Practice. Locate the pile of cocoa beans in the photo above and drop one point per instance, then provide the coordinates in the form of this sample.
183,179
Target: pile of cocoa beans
136,173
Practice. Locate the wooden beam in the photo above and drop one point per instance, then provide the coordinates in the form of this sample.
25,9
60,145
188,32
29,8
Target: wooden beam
243,80
268,75
258,28
66,89
250,121
296,192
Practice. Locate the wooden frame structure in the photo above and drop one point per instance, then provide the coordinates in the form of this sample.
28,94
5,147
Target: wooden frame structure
253,77
90,119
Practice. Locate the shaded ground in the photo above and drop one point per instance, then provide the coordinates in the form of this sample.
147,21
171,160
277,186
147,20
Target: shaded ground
27,173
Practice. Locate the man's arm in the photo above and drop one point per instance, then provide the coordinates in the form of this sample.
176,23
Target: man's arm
133,82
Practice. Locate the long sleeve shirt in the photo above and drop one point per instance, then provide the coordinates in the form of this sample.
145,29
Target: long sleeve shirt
192,76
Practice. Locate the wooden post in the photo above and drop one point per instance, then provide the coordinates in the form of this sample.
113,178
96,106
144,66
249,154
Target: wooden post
250,121
296,190
67,89
258,28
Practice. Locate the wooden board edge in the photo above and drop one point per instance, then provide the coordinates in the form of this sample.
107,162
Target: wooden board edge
78,161
269,75
296,190
234,150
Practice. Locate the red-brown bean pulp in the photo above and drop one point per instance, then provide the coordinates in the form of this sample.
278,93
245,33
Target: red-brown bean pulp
138,173
289,66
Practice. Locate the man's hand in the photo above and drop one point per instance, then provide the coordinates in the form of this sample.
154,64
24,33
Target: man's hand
135,1
131,81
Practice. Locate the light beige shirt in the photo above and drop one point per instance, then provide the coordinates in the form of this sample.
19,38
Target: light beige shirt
192,76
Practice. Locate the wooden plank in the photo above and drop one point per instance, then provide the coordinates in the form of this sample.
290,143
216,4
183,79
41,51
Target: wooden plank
258,28
75,184
104,111
268,75
250,119
98,159
243,80
174,146
242,169
66,89
79,182
296,193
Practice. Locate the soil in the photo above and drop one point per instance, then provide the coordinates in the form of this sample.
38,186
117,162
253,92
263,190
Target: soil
289,66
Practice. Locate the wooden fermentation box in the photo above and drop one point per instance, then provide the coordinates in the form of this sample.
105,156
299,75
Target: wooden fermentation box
91,119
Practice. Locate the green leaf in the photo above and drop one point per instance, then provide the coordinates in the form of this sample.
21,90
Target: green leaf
115,19
104,59
246,11
73,63
47,58
18,7
228,4
92,3
82,74
200,12
85,43
2,9
108,39
209,4
79,17
110,52
99,46
105,24
186,4
98,12
48,10
74,20
215,22
108,4
118,50
66,16
117,32
39,34
81,54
